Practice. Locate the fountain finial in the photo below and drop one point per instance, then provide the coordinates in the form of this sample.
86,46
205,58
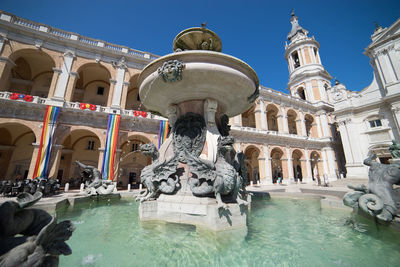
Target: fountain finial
197,39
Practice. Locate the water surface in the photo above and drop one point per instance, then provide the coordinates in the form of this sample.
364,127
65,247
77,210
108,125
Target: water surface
281,232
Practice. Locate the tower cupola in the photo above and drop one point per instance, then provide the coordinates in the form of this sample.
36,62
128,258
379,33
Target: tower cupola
308,78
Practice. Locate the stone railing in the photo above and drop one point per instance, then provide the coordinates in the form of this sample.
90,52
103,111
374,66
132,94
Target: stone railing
275,133
12,19
77,106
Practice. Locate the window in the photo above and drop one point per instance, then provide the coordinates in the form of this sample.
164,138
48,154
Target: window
296,59
100,90
90,145
301,93
375,123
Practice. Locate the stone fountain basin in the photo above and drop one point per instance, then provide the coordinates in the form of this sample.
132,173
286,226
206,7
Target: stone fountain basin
207,74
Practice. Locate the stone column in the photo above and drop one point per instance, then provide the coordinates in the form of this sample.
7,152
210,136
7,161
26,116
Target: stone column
6,65
259,113
117,164
325,164
61,88
282,121
55,160
101,155
302,124
308,178
262,170
331,163
111,92
267,164
33,160
396,116
3,40
309,90
124,94
210,108
172,115
69,94
325,126
319,131
346,142
6,156
54,80
290,165
117,93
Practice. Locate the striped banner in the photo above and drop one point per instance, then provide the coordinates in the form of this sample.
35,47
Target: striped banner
111,145
46,142
163,133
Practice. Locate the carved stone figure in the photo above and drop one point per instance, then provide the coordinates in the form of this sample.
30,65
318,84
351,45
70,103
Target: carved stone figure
31,237
171,70
95,185
395,149
205,178
379,200
158,176
224,179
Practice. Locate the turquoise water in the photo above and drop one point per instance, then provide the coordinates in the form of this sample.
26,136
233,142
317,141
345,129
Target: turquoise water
281,232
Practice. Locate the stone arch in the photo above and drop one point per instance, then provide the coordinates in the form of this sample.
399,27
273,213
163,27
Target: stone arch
80,63
292,118
32,73
131,161
16,150
311,125
249,118
277,169
299,166
272,113
79,144
92,85
252,154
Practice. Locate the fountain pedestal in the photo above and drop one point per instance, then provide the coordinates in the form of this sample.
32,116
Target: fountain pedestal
196,177
184,207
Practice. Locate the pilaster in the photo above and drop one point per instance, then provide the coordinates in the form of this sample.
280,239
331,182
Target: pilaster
74,76
61,88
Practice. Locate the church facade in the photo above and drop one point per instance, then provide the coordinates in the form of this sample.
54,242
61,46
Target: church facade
290,137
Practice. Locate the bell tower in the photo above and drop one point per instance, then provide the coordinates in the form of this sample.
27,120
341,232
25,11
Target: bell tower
308,78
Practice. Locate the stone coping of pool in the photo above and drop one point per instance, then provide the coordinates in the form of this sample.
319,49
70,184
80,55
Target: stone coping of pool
63,200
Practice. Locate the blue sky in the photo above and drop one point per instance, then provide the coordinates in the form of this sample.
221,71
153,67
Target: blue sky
253,31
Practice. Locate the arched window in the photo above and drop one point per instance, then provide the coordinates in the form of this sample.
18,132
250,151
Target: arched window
296,59
301,93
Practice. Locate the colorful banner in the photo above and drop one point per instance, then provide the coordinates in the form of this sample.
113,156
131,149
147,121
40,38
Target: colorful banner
46,142
111,146
163,133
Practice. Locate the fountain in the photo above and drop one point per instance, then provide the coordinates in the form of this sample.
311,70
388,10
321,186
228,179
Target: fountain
196,177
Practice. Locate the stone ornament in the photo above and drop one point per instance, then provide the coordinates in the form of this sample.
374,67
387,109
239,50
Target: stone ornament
225,177
171,70
380,199
95,185
31,237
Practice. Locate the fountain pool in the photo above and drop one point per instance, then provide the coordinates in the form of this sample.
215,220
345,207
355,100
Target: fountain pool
281,232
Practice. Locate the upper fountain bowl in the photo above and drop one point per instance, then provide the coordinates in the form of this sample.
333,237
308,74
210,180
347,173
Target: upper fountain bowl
198,71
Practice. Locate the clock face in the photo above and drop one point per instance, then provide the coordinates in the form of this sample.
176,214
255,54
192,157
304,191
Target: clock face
337,95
